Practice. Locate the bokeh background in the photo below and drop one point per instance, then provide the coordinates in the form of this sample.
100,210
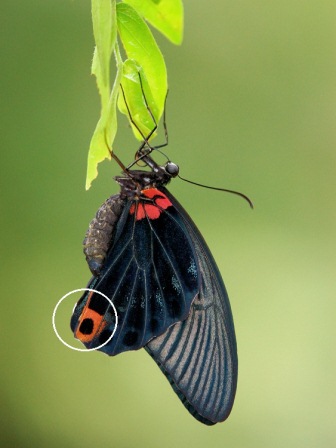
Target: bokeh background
251,107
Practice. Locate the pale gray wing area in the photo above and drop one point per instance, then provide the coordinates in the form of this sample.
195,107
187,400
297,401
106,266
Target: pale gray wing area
199,355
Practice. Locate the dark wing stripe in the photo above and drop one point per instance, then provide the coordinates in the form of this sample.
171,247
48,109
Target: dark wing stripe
146,311
204,391
231,368
161,292
216,393
221,364
167,255
120,329
196,327
170,344
190,347
176,357
216,370
205,350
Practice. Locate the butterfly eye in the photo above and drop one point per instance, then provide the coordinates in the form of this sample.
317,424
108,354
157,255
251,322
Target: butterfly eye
172,169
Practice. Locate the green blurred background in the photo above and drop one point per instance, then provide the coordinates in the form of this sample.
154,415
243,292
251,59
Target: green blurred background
251,107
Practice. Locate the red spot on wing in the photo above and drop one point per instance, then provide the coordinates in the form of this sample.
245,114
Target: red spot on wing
160,199
163,203
151,210
98,322
140,211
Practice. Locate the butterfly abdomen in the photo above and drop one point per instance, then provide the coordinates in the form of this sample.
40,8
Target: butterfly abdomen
98,237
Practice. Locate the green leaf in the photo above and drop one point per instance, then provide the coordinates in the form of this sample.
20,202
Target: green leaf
140,46
138,96
104,134
165,15
105,33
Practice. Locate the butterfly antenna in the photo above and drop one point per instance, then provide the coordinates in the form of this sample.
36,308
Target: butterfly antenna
114,156
220,189
145,138
150,148
148,108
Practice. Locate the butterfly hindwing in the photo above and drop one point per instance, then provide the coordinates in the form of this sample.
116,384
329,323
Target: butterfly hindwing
199,355
150,274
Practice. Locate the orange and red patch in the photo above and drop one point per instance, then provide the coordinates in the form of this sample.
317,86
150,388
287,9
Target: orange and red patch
150,210
90,323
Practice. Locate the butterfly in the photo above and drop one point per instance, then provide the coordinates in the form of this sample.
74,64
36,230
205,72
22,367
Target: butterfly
149,258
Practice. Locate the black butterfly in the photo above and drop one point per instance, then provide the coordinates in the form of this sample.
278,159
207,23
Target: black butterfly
149,258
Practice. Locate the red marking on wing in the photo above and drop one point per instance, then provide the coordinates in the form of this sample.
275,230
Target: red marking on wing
152,211
99,323
140,214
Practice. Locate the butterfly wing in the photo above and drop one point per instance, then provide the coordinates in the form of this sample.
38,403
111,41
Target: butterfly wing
199,355
150,274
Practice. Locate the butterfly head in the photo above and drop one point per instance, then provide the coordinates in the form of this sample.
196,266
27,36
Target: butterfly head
134,181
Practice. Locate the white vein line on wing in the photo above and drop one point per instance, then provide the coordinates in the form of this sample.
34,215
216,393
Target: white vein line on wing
117,258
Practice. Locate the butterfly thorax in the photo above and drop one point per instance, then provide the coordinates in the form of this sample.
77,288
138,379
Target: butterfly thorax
135,181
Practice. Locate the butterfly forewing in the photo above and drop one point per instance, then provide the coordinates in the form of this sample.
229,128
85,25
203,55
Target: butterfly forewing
199,355
150,274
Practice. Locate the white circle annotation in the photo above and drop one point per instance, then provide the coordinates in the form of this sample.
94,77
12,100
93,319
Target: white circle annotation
84,349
